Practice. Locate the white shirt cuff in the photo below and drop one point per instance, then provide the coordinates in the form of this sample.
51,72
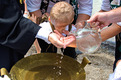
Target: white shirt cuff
43,34
117,73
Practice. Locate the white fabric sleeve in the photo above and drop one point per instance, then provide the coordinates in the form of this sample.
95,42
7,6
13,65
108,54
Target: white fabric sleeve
85,7
44,32
117,73
105,5
26,14
33,5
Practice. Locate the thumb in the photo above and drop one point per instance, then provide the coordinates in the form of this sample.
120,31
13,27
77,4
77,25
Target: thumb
93,18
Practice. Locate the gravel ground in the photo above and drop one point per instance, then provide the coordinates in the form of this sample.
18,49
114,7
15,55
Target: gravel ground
101,62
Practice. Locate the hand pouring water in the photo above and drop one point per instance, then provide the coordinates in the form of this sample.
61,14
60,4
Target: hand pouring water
88,39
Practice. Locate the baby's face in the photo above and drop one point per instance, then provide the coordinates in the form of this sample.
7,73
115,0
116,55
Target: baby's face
60,27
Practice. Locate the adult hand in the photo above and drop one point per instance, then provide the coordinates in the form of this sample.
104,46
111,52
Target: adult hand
100,18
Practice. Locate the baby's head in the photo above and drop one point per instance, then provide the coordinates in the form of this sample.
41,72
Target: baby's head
61,15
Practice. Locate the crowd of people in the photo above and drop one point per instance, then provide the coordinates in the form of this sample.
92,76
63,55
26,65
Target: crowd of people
22,26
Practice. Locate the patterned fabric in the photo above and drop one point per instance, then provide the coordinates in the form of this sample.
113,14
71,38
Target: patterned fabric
44,6
115,3
75,6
